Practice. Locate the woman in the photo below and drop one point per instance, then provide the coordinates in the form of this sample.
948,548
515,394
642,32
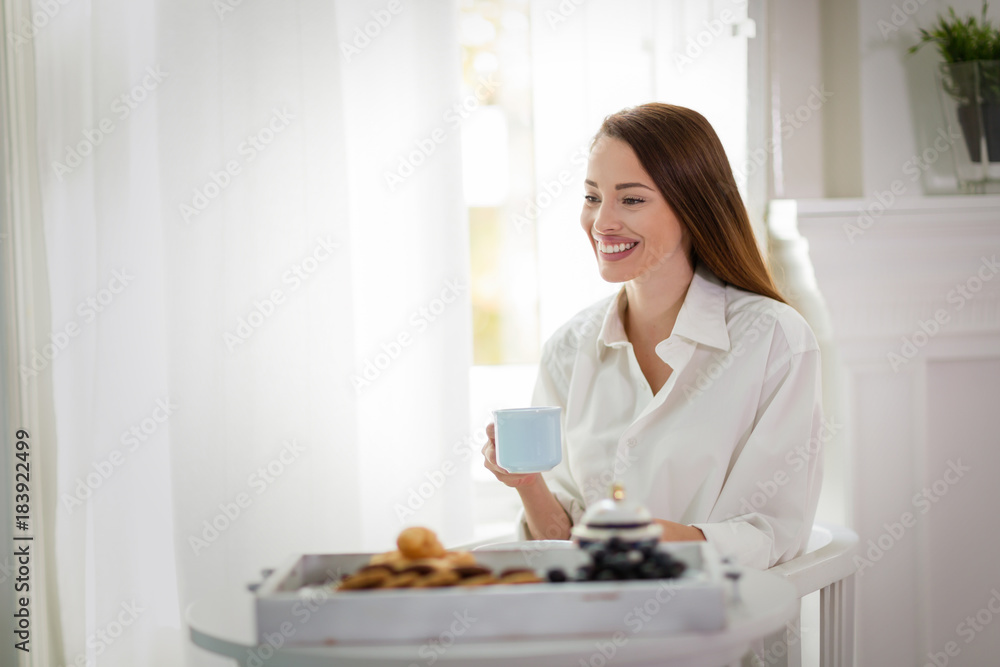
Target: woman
695,386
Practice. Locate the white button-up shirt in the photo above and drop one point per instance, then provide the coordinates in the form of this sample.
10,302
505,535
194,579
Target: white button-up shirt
730,444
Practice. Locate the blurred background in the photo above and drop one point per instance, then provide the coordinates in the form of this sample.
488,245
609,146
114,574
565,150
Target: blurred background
268,267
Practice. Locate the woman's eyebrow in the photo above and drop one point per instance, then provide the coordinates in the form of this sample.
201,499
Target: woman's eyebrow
621,186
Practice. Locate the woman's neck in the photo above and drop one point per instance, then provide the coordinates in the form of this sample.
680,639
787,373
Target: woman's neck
654,300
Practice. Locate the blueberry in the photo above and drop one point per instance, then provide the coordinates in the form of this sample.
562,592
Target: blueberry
615,559
649,571
557,575
662,559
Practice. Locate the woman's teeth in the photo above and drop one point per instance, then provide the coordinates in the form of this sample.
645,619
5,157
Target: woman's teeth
618,247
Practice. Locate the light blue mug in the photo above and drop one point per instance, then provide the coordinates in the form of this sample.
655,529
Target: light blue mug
528,439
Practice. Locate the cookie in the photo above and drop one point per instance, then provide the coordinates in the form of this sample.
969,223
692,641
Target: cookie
515,570
520,577
402,580
420,569
472,571
437,563
417,542
392,558
372,578
435,579
479,580
460,558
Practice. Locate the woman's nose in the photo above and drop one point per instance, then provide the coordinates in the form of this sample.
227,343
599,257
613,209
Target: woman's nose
606,220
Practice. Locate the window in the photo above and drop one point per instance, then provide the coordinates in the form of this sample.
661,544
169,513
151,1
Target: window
559,68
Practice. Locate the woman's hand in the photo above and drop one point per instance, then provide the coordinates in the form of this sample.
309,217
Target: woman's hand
545,517
513,480
678,532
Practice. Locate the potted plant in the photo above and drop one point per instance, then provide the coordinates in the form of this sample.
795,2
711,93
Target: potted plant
970,75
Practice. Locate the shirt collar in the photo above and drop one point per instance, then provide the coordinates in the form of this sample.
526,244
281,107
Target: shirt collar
612,332
702,317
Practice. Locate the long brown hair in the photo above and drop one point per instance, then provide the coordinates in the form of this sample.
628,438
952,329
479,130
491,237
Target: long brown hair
682,154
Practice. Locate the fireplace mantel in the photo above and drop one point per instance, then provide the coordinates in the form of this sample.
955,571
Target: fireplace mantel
883,270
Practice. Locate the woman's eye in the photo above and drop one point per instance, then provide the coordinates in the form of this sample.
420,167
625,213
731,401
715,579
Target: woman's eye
631,201
591,198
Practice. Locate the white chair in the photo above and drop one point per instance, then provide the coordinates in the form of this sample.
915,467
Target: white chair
827,566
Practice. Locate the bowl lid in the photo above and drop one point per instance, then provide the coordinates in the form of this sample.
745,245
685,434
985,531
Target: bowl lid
616,512
650,532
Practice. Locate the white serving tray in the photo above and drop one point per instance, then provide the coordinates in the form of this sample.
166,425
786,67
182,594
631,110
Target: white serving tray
291,606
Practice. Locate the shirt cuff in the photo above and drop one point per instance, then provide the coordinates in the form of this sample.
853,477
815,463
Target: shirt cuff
739,541
573,508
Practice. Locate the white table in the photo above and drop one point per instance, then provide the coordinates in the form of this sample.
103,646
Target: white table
225,624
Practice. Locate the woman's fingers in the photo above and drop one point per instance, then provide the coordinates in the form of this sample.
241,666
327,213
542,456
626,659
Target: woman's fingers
490,462
490,439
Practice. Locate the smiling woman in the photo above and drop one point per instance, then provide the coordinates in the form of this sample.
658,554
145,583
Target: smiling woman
562,68
662,148
695,386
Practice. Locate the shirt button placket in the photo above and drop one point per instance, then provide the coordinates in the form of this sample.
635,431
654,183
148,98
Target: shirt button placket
623,459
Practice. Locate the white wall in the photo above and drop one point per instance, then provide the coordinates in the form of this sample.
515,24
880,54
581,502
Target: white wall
916,321
899,100
904,423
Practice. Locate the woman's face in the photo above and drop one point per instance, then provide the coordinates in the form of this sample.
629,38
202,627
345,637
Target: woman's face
632,229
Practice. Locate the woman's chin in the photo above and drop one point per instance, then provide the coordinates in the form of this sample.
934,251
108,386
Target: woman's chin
614,274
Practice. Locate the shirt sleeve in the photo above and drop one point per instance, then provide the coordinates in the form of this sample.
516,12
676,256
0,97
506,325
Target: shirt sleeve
551,389
765,510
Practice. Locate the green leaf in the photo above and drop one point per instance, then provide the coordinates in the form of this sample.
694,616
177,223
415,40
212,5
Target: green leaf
962,40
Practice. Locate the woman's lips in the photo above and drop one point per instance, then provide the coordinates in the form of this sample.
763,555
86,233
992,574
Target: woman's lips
615,251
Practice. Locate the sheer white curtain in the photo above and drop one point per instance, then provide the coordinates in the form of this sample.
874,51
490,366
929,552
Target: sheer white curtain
652,51
28,461
266,337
